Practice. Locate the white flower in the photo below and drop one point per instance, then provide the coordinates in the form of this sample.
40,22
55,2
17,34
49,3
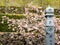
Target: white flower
12,36
7,21
25,25
18,25
34,27
13,29
2,22
9,24
3,16
58,42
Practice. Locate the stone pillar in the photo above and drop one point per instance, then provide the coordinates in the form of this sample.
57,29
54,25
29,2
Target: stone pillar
49,26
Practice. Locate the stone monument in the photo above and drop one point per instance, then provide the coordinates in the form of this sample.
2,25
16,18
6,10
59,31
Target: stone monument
49,26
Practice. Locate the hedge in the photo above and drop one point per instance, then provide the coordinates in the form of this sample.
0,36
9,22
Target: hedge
15,16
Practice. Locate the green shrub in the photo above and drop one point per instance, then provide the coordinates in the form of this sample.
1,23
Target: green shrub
4,26
57,16
16,16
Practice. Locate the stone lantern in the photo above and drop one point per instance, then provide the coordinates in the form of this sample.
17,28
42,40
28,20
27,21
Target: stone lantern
49,26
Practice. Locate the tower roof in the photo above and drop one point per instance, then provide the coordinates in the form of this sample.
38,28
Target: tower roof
49,9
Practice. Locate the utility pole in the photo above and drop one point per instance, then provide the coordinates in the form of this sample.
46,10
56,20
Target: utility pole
49,26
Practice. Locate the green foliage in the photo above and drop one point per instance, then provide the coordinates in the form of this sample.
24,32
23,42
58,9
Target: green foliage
57,16
4,26
43,3
14,16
